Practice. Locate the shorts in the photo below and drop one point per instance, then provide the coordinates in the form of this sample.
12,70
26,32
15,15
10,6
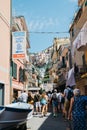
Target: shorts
37,104
55,103
43,102
67,105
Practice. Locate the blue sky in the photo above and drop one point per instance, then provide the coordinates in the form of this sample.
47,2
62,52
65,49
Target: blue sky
45,16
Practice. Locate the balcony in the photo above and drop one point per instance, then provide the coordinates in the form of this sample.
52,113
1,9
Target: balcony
82,73
83,69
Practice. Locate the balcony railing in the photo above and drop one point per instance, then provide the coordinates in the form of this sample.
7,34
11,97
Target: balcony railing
82,69
82,72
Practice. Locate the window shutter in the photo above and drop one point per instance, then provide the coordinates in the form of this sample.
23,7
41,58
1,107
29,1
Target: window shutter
14,70
21,77
86,3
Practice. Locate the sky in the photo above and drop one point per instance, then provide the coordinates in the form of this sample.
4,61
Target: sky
45,19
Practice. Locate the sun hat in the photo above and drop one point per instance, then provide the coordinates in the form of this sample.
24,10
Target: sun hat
76,91
55,90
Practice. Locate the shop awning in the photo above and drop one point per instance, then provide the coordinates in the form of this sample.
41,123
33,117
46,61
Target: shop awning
34,88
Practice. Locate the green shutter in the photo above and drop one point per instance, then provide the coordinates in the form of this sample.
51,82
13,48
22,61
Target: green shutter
14,70
86,3
21,75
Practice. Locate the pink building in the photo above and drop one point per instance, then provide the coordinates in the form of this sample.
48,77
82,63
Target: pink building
13,78
5,16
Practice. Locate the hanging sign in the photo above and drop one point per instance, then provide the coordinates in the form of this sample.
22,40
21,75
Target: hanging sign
18,44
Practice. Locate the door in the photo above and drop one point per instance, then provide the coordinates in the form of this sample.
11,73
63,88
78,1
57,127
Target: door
85,90
1,94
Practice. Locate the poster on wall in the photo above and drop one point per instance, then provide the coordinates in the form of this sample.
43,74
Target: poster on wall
18,44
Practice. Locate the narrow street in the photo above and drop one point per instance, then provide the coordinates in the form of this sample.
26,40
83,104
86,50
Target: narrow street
43,63
47,123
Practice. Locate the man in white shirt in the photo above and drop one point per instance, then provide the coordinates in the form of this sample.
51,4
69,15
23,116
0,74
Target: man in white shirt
23,96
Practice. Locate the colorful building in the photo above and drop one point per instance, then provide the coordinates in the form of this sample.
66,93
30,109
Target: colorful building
5,39
78,37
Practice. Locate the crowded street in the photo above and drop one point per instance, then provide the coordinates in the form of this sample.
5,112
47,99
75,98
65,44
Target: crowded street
43,65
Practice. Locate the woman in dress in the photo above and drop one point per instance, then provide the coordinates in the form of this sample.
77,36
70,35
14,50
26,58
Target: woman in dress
78,110
44,104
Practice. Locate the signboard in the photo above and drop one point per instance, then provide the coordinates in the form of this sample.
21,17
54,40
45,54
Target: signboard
18,44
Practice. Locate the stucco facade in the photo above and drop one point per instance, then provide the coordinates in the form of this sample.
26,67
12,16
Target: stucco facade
11,70
78,37
5,15
19,65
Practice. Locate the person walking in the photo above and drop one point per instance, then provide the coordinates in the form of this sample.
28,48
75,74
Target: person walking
44,104
30,98
23,97
37,104
67,92
60,101
77,110
55,102
49,94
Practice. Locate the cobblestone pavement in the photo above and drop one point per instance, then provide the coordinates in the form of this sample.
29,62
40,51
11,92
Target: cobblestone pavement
47,123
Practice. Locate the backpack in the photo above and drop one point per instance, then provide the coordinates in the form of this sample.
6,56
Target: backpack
70,94
37,98
54,96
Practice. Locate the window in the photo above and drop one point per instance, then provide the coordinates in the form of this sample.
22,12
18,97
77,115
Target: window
63,62
14,70
33,71
67,56
86,3
72,32
83,59
21,75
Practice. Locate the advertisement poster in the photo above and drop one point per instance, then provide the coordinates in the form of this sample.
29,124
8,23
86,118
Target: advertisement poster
18,44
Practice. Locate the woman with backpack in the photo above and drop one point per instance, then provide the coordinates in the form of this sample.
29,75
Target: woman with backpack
68,93
54,100
37,103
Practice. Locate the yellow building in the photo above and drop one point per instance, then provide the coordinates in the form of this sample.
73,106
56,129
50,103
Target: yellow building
59,60
78,38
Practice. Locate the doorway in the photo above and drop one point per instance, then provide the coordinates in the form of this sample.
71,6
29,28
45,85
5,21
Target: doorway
1,94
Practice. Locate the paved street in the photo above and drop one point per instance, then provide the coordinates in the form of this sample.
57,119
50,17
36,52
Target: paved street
46,123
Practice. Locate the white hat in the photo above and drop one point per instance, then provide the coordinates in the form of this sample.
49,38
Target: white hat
76,91
55,90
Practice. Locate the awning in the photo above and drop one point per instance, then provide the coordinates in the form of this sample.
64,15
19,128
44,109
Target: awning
34,88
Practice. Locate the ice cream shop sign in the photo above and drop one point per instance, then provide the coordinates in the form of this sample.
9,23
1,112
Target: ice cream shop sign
18,44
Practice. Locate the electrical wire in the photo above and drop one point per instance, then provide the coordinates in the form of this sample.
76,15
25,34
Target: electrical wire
66,32
49,32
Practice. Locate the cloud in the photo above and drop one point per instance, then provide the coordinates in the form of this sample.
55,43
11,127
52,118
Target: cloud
42,23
